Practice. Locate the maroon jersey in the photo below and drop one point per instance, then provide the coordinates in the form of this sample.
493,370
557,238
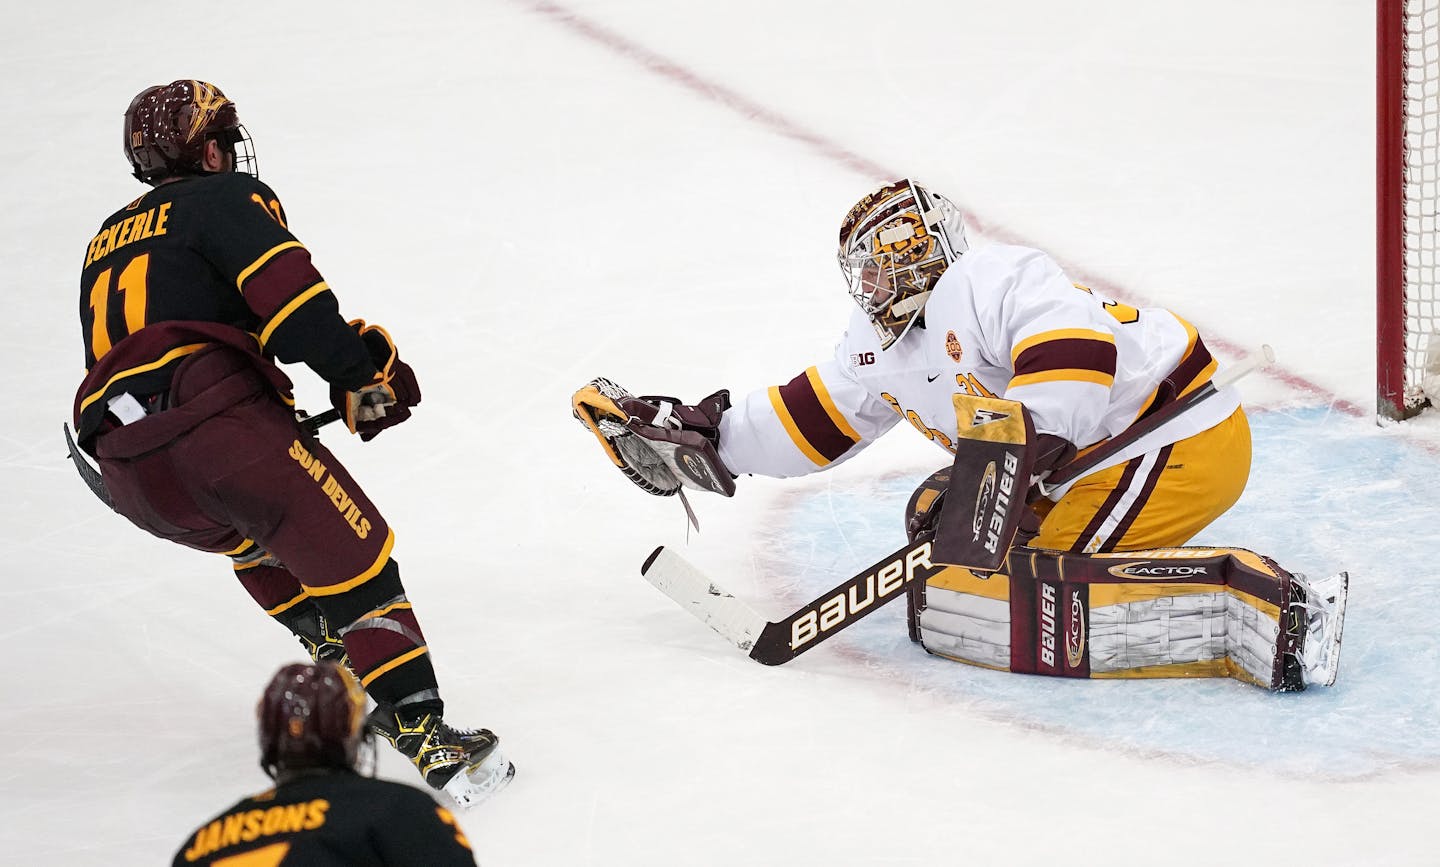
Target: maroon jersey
335,818
197,261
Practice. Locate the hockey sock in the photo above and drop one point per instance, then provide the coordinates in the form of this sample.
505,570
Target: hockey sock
384,641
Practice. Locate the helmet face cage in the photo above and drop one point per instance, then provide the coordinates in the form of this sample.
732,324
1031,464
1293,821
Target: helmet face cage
168,126
894,245
310,716
236,142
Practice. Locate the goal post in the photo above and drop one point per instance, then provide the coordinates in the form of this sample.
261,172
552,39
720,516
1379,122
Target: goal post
1407,160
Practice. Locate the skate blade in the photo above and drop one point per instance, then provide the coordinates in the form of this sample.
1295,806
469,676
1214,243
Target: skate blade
481,782
1326,666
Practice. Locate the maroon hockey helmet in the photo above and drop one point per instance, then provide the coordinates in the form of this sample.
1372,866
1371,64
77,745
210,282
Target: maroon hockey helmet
167,126
311,716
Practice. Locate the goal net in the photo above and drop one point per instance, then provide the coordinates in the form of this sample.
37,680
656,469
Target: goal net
1408,205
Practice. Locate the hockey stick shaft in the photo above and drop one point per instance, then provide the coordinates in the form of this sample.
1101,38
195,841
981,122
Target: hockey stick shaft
315,422
777,642
1113,446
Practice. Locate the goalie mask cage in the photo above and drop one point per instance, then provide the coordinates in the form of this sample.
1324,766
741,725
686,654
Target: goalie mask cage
1407,102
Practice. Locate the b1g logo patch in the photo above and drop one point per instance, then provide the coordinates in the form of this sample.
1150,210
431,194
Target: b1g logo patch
953,347
860,359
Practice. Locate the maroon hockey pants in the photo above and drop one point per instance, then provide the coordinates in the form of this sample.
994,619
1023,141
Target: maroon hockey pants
229,468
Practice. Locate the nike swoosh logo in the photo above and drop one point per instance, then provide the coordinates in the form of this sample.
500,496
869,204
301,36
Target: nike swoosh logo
932,378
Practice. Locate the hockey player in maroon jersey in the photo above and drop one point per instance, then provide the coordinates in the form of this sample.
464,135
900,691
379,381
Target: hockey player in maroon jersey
188,297
320,811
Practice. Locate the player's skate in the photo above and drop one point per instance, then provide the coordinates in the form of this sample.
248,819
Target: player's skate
1324,604
464,763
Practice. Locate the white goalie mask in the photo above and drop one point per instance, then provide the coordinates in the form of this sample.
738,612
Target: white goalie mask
894,245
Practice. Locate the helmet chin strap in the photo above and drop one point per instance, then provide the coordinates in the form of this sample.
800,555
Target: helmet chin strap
912,307
913,304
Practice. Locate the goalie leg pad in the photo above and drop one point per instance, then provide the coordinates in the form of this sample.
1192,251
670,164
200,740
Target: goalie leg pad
1174,612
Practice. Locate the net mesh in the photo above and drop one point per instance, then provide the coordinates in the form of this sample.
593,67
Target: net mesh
1421,102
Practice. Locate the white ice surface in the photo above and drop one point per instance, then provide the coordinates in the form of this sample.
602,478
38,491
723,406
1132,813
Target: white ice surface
530,194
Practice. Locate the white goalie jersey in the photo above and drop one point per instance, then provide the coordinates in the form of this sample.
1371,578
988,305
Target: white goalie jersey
1002,321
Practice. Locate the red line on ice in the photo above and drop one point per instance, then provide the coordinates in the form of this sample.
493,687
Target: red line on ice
697,84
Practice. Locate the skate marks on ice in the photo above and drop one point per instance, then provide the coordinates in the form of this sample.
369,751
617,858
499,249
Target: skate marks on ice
1327,492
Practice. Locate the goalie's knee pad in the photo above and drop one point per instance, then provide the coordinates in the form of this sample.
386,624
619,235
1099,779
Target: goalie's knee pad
1173,612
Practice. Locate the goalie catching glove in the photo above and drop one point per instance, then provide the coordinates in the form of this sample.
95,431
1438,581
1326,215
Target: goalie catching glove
386,400
659,443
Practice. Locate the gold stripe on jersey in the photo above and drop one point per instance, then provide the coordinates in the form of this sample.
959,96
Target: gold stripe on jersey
811,417
1064,355
778,404
260,262
1197,358
177,352
351,584
1066,374
1192,341
826,401
393,664
1060,334
1205,375
293,305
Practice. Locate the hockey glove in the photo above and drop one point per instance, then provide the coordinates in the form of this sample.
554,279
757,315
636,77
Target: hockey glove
659,443
385,401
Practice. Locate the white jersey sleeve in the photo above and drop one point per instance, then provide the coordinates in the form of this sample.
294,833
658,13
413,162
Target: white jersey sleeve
817,420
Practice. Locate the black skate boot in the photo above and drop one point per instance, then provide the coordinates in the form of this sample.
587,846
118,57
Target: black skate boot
464,763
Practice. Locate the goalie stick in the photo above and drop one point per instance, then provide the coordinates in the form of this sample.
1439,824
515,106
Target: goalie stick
1088,461
775,642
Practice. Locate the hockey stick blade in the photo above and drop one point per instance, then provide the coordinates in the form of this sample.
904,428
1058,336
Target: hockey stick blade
88,473
777,642
674,576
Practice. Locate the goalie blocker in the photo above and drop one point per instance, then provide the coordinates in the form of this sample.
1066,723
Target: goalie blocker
997,458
